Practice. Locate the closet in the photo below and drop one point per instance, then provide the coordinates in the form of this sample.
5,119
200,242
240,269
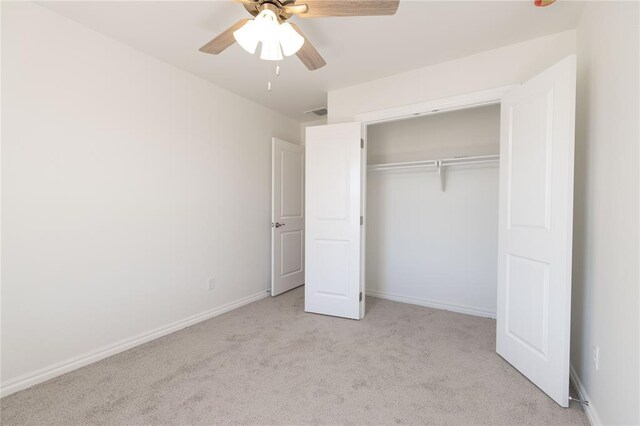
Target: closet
409,203
432,210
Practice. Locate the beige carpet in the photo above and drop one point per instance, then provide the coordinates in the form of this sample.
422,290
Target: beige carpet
270,363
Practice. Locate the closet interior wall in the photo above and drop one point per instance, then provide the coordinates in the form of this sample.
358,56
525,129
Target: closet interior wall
426,245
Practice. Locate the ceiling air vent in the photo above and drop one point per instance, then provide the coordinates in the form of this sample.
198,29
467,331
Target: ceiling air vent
320,112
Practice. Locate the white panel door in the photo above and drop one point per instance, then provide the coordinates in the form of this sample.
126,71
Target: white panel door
287,216
333,229
535,228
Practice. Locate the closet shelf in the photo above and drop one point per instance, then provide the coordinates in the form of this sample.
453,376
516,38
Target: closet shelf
439,165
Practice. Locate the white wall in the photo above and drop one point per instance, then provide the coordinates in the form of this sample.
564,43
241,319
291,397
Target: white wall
430,247
499,67
126,183
606,254
474,131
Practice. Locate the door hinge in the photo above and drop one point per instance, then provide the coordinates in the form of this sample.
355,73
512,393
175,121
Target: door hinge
361,296
361,220
361,143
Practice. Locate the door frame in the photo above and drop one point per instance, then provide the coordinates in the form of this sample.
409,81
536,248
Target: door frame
436,106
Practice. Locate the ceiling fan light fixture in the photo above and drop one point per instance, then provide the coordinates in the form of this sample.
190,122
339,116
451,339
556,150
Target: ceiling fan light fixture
276,38
248,36
271,50
289,39
267,24
262,28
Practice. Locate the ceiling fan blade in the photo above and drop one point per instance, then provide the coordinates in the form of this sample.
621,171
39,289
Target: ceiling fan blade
307,53
324,8
223,40
294,9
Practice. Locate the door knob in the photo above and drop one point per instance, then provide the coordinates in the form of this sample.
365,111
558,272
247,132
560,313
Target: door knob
278,224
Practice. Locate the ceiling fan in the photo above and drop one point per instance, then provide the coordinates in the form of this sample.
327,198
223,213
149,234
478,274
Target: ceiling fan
279,37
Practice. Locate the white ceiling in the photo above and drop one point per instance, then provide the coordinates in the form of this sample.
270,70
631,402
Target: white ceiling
356,49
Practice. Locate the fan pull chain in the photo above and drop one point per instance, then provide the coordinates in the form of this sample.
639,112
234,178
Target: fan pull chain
267,76
277,73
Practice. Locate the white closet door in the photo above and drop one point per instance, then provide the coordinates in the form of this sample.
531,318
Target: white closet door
333,228
535,228
287,216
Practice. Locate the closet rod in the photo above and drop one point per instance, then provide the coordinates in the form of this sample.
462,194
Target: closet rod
456,161
439,165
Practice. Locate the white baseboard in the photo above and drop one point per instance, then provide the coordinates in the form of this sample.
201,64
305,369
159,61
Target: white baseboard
433,304
55,370
590,410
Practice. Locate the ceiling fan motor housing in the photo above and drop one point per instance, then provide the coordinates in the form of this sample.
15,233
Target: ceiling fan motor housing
275,6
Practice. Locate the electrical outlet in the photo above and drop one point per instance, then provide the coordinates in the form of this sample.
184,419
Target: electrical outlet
595,357
211,284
